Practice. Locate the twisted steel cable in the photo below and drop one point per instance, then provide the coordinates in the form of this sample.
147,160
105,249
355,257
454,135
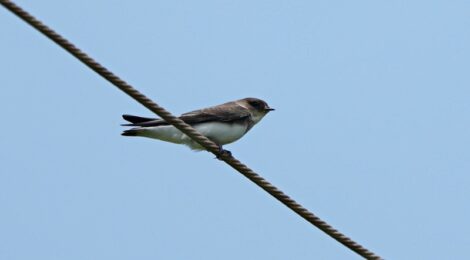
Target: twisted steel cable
189,131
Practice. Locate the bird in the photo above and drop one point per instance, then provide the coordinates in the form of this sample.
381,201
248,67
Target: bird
223,124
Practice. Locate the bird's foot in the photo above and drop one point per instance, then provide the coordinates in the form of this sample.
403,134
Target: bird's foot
223,152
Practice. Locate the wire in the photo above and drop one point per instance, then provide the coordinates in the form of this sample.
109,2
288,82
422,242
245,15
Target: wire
188,130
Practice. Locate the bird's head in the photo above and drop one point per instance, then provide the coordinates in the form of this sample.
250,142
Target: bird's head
258,108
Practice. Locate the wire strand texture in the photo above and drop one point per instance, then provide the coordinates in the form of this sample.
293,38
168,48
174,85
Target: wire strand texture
189,131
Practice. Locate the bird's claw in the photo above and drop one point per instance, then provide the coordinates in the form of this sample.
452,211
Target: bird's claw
222,153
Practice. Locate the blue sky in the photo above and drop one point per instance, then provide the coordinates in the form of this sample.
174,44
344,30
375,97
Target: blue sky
371,130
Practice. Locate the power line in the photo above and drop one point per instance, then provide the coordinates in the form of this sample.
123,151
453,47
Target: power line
189,131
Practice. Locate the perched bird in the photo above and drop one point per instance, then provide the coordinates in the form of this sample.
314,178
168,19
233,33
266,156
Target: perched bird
223,124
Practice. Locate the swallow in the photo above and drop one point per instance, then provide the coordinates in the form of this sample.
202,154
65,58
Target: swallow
223,124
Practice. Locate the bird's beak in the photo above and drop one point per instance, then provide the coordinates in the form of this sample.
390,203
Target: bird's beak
269,109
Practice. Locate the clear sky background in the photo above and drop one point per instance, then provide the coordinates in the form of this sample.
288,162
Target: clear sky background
371,131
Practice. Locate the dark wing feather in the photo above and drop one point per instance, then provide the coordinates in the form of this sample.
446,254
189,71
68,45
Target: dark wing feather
228,112
137,119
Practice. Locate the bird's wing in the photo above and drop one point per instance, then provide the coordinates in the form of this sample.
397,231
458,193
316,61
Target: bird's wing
137,119
228,112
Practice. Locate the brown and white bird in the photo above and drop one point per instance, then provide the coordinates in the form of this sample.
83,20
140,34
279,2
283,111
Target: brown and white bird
223,124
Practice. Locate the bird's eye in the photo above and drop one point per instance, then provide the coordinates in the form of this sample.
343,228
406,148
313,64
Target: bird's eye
256,104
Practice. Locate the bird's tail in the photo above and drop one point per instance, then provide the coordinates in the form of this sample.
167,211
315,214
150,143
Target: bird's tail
131,132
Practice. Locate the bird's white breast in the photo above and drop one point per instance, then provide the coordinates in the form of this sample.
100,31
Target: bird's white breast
222,133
